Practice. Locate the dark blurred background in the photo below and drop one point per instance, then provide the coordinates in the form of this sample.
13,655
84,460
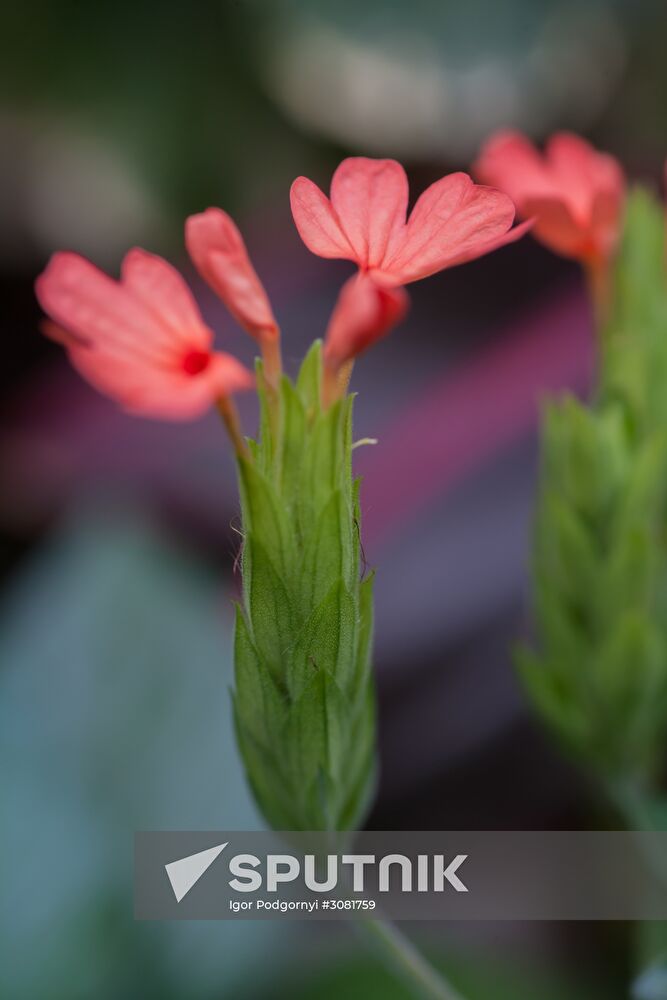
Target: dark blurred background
118,535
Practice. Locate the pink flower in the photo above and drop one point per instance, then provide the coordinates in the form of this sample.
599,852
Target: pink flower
364,220
574,193
365,312
140,340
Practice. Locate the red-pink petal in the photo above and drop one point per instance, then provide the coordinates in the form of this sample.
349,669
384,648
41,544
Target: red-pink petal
556,226
496,243
453,221
370,199
160,393
365,312
219,254
317,222
163,291
510,162
81,298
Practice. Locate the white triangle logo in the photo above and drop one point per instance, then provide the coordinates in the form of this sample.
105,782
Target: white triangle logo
186,871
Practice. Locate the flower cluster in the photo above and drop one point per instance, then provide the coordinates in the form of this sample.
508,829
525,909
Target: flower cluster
142,340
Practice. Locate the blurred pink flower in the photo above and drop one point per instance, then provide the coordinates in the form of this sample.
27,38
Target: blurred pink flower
140,340
454,220
574,193
365,312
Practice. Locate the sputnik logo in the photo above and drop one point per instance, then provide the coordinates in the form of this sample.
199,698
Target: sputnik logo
280,868
186,871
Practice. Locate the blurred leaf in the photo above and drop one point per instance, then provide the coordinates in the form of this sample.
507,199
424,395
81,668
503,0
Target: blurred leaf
599,677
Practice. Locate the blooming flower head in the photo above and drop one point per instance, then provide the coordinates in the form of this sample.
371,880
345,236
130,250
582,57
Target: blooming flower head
574,193
140,340
364,220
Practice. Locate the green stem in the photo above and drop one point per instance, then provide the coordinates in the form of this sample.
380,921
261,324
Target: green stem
404,958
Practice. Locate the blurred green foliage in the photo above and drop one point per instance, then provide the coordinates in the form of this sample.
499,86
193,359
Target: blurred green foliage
173,85
599,677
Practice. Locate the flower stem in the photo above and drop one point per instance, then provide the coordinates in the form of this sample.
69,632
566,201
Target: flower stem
271,356
409,963
598,280
230,416
335,382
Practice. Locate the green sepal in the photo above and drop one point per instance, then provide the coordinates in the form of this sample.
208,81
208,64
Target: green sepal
326,643
271,612
309,381
264,516
260,702
329,550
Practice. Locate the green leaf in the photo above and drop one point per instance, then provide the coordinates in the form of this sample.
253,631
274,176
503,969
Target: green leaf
270,610
292,438
327,461
553,698
564,544
639,277
265,451
265,517
310,378
265,771
361,763
326,643
365,632
316,731
329,551
260,703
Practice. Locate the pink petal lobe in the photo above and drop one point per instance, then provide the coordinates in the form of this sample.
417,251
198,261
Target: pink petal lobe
219,254
95,308
365,312
162,290
317,222
496,243
556,226
370,198
227,376
454,220
162,393
510,162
